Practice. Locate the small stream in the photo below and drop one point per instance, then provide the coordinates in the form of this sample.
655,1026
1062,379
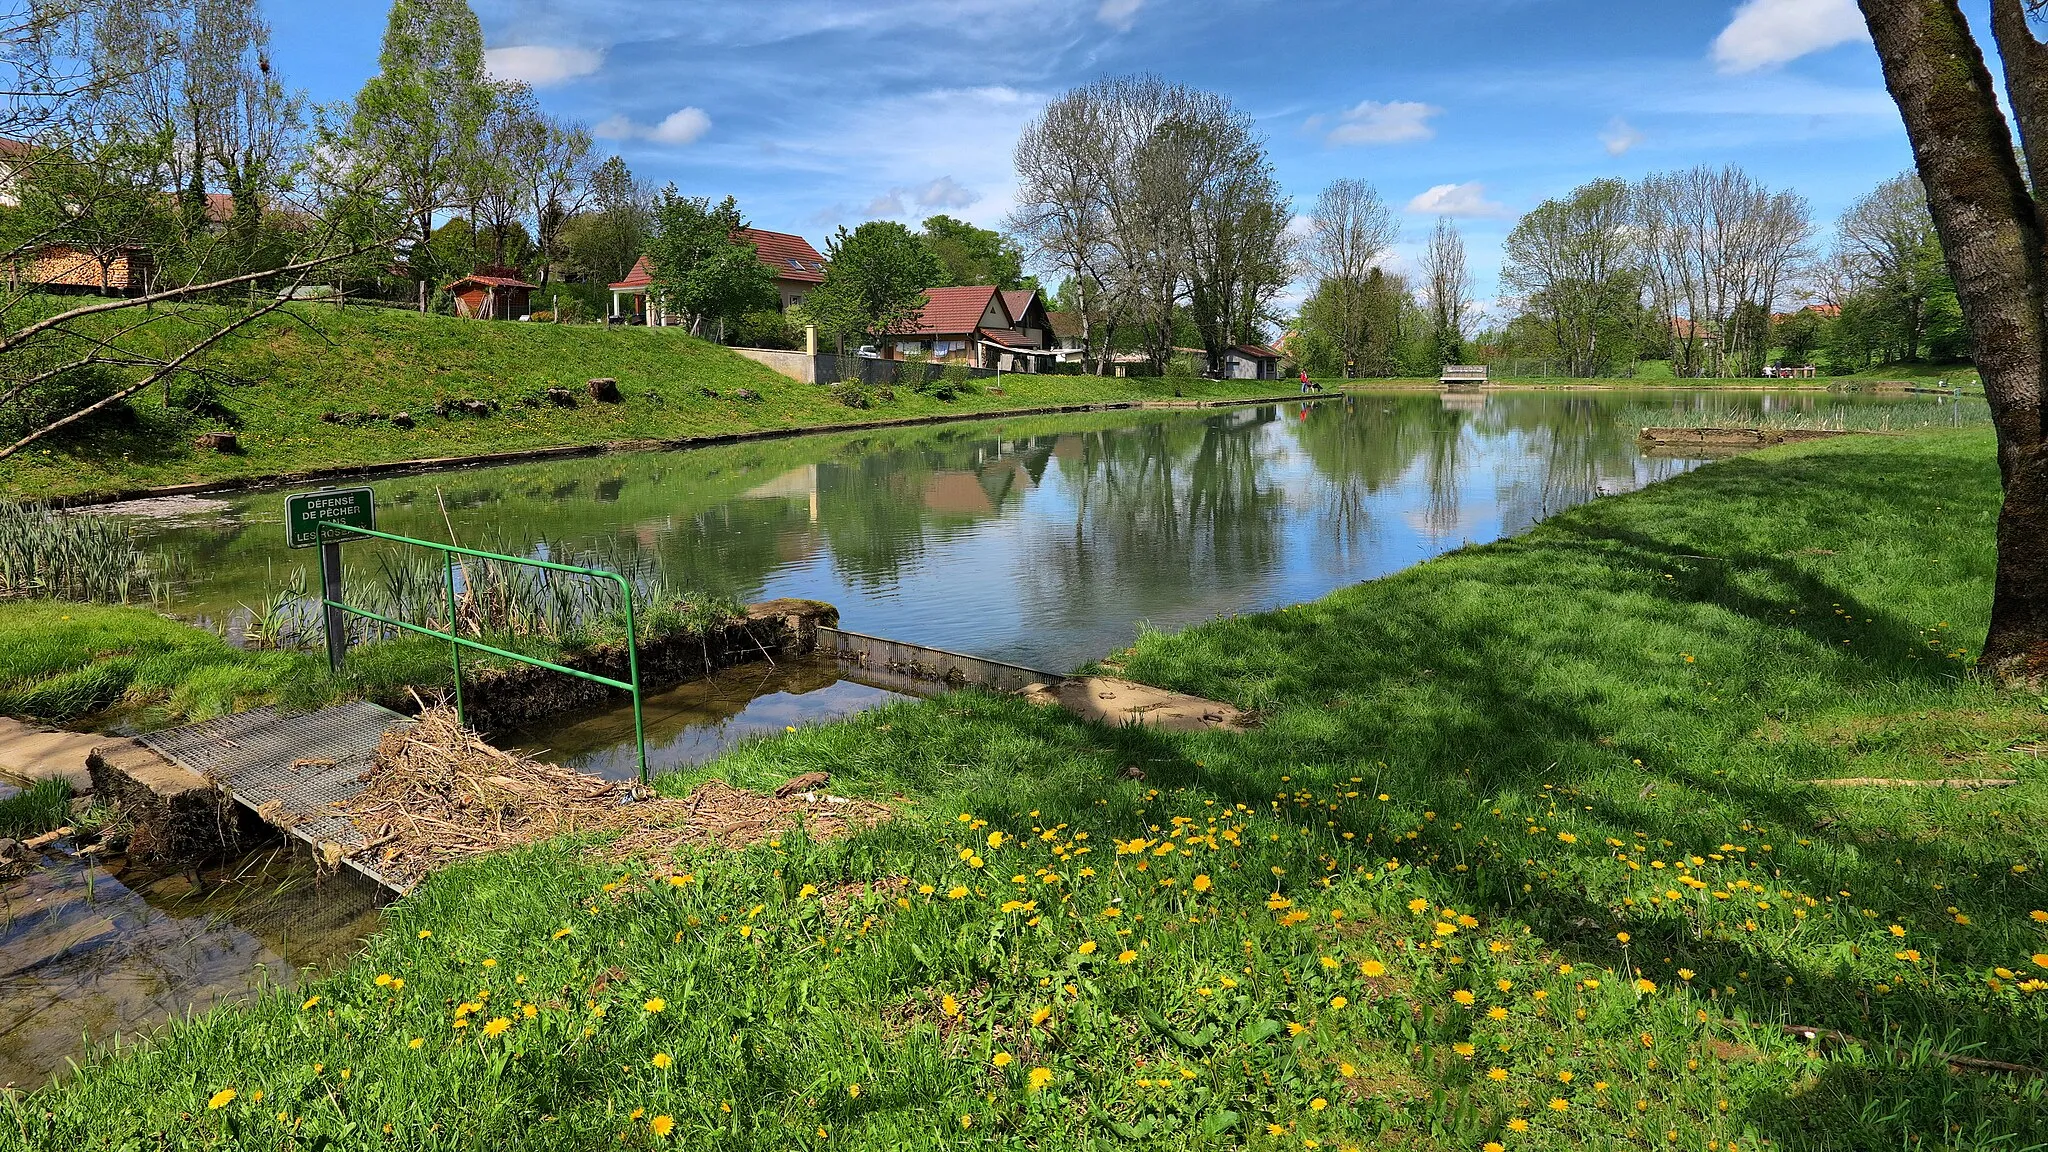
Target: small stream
91,951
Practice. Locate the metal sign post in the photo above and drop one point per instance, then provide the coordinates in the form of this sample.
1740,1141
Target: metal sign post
312,518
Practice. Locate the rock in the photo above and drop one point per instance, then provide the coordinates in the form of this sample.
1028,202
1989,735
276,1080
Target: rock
10,850
560,397
605,390
808,782
226,443
1131,772
747,394
401,420
708,393
330,417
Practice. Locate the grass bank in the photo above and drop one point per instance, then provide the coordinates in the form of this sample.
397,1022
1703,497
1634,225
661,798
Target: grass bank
1529,852
273,384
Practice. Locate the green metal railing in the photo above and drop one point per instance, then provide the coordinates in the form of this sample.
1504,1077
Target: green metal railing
457,643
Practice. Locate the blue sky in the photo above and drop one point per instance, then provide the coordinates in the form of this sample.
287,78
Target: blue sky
821,112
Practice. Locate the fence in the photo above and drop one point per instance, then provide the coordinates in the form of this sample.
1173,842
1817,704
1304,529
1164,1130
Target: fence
457,643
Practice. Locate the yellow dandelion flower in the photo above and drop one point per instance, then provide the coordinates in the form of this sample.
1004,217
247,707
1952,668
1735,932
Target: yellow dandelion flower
1346,1070
661,1060
561,932
1040,1016
1039,1078
1496,1074
1318,1104
662,1125
807,891
309,1004
1464,1048
1339,1002
1463,997
1493,1146
1126,956
1203,883
383,980
1373,968
948,1005
995,840
1518,1125
1646,985
1559,1104
1567,837
220,1099
655,1005
1496,1013
497,1026
425,933
1001,1059
1087,948
853,1090
2040,959
1418,905
2038,916
956,892
414,1043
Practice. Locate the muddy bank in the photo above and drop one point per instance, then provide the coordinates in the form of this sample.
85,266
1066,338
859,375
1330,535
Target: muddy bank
1732,439
498,699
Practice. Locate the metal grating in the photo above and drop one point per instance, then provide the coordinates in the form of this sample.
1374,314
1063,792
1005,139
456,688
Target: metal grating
302,762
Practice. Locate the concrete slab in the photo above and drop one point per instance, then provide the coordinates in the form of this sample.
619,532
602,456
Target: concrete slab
1111,701
31,753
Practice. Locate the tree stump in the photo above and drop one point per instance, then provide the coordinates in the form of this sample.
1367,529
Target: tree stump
222,442
401,420
560,397
605,390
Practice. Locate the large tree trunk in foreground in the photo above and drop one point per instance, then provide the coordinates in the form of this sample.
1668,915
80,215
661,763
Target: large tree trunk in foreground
1991,229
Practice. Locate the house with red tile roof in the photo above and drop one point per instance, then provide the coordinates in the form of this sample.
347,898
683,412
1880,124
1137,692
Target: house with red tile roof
1251,362
796,265
980,326
491,293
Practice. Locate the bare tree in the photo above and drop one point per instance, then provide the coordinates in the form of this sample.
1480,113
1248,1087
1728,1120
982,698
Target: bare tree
1719,247
552,159
1350,231
1995,236
1062,210
1446,289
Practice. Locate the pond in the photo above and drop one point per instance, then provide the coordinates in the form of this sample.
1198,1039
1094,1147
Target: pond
1043,541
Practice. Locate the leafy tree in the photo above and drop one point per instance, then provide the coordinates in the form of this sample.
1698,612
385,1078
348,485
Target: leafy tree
608,239
1571,260
875,281
420,120
1350,230
971,255
1797,336
700,268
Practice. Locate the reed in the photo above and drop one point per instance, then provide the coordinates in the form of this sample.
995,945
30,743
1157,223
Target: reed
1962,413
65,556
36,809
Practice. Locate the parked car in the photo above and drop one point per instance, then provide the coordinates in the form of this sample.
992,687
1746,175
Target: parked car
868,352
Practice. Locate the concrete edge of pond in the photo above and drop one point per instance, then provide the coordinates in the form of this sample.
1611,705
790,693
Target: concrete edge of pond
571,451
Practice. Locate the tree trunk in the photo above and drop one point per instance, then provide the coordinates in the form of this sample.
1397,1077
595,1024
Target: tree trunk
1991,232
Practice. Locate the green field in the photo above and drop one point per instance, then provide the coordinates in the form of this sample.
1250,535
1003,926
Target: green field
280,377
1527,851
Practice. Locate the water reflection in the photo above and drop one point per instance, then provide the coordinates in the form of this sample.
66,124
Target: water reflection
1043,541
91,952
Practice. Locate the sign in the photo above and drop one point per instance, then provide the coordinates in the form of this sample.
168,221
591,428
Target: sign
304,511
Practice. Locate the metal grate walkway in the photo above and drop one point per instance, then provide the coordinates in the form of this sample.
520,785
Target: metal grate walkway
302,763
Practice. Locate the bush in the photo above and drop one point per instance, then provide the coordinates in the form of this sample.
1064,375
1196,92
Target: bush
765,329
952,381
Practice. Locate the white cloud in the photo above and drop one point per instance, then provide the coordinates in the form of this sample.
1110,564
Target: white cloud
1620,136
683,126
541,65
1467,199
1373,122
1119,14
946,192
1769,32
887,204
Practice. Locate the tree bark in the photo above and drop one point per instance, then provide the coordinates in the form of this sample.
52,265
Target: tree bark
1991,232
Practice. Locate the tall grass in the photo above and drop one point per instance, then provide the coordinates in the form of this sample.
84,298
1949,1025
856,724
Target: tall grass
41,806
64,556
493,598
1961,413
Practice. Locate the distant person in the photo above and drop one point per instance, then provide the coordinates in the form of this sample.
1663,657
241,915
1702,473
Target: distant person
1304,381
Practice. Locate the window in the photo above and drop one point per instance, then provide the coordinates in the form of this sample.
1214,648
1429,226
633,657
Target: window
796,263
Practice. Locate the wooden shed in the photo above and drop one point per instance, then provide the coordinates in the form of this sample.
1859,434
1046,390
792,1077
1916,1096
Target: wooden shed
491,293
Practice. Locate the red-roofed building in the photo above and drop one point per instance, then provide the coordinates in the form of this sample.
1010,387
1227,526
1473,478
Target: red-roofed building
1251,362
979,326
797,267
491,293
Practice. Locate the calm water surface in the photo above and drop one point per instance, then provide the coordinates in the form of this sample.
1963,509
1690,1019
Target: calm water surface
1043,541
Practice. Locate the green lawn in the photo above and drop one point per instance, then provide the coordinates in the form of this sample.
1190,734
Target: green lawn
1526,851
285,373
